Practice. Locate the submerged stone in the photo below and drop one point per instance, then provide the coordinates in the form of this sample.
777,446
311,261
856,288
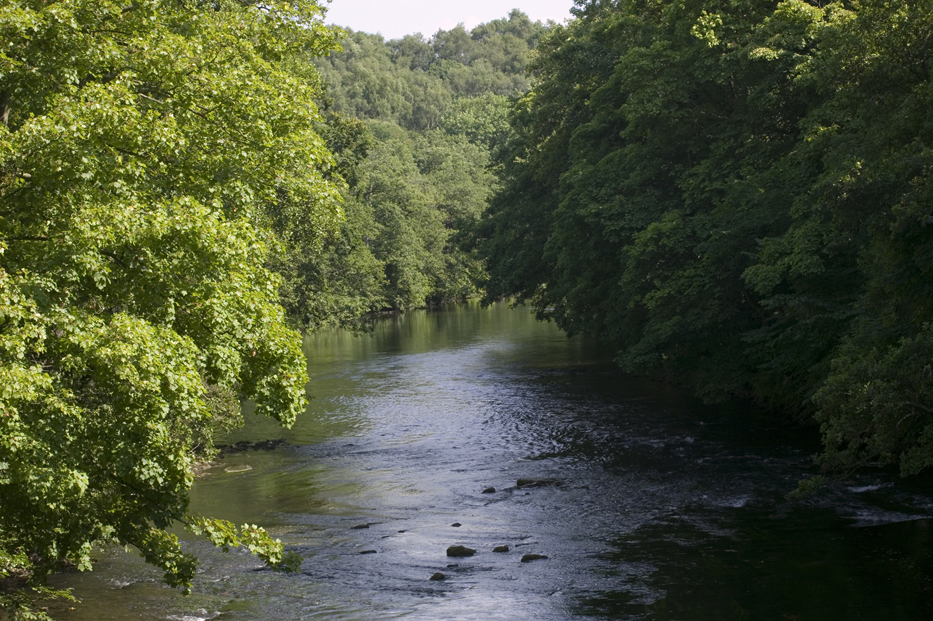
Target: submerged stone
460,551
532,557
438,576
501,549
489,490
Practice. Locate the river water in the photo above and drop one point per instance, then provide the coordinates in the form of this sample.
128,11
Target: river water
666,509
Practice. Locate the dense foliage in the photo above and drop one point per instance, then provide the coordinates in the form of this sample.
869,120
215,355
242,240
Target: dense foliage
735,192
151,154
413,123
738,193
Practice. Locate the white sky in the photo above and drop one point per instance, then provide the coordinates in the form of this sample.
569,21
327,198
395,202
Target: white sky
397,18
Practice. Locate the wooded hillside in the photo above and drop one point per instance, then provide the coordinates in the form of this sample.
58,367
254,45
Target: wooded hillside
413,123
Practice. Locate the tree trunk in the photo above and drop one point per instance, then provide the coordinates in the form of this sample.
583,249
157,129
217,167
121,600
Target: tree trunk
5,106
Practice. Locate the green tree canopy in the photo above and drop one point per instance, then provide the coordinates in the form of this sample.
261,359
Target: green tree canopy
414,81
151,153
435,110
737,193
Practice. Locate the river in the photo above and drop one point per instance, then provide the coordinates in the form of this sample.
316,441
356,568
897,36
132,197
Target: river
665,508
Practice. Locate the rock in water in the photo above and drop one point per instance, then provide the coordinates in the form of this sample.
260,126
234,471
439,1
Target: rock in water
501,549
489,490
368,552
532,557
456,524
460,551
437,576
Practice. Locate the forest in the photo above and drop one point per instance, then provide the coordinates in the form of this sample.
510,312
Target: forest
736,194
413,123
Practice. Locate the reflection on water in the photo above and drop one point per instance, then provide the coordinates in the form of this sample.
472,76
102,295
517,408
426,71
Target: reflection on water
666,509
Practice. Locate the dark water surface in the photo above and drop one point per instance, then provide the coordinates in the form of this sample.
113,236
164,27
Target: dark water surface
666,510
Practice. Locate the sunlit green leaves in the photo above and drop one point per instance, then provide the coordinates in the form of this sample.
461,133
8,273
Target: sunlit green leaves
225,535
145,160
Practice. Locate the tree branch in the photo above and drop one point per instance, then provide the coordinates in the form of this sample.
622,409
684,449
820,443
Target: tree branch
919,406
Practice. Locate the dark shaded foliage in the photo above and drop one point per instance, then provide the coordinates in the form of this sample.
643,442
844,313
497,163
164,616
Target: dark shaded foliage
738,194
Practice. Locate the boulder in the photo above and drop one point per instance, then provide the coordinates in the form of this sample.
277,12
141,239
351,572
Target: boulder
437,576
527,558
460,551
501,549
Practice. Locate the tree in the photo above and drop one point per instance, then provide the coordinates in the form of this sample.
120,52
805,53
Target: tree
454,44
482,120
146,152
736,193
338,281
868,221
438,109
422,190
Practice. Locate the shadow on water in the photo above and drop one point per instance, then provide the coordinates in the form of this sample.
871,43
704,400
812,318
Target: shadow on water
809,565
666,509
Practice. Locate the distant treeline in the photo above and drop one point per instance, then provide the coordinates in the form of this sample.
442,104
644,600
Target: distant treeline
739,194
412,123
